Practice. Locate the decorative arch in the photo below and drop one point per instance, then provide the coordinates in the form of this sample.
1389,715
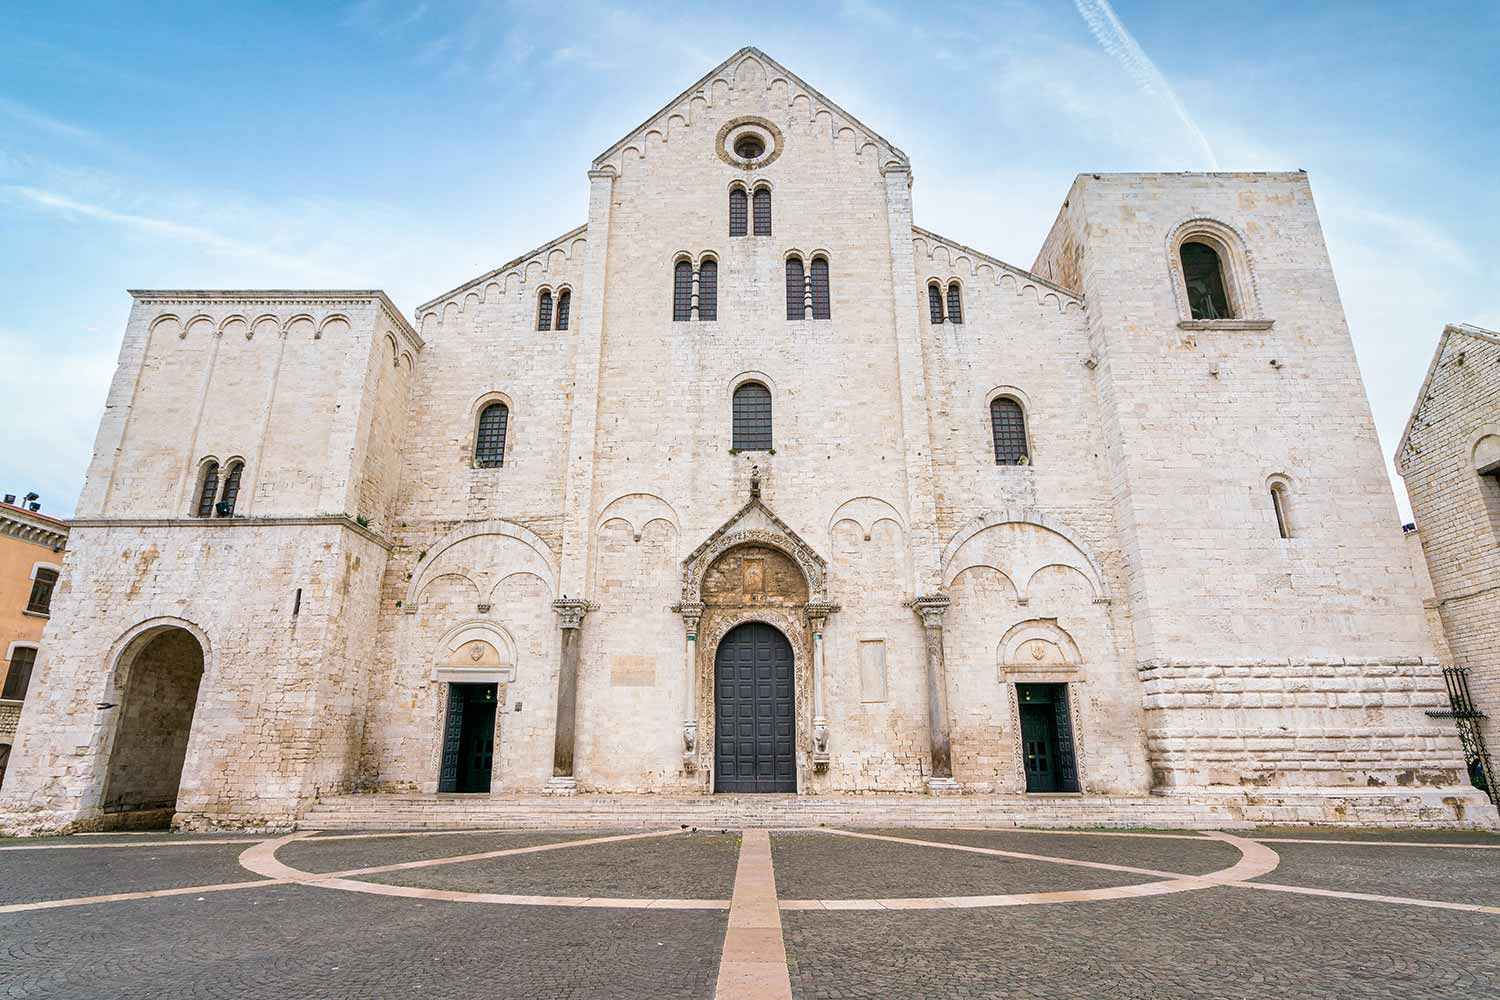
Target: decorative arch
497,526
866,512
638,510
1056,544
1236,264
122,651
1483,451
754,524
475,652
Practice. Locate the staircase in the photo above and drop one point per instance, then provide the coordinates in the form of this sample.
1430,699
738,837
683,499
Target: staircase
1207,810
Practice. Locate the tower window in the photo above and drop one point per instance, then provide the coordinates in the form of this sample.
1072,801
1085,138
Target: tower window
796,289
225,506
955,303
1008,427
752,418
820,304
544,310
489,441
564,305
682,292
208,491
763,211
934,305
1203,273
737,211
708,290
1281,504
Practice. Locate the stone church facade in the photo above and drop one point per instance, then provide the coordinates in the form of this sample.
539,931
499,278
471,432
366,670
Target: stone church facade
751,484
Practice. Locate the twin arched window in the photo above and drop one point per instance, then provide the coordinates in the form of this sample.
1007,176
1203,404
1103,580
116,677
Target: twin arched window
752,417
707,279
489,438
1008,429
216,497
739,216
807,290
544,311
955,303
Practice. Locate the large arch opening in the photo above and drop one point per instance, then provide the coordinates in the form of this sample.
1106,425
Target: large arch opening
755,711
158,679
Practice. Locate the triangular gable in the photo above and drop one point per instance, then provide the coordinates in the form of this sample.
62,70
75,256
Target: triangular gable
754,523
1461,329
727,72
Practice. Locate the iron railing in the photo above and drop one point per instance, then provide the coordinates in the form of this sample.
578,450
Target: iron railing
1467,717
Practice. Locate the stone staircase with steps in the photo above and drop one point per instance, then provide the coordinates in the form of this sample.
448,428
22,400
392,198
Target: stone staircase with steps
1175,811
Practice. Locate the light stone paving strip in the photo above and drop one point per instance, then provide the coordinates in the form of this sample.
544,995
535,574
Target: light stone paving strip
753,964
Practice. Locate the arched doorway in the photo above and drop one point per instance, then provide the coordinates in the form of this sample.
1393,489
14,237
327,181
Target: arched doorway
754,711
158,680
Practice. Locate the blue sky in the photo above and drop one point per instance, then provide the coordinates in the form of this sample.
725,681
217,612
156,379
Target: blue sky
411,145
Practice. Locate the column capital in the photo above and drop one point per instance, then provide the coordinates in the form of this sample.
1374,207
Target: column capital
817,613
604,174
691,612
570,611
931,608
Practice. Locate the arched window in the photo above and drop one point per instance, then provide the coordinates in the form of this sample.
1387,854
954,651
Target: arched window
820,304
489,441
763,211
682,292
1008,425
564,302
752,418
737,207
1203,273
40,602
934,305
225,506
544,310
208,490
708,290
796,288
1281,504
955,303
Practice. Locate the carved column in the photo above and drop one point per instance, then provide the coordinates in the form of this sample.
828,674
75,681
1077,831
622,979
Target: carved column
691,614
931,609
817,616
570,613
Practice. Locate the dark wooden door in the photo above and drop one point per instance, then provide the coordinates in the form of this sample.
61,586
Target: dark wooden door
754,712
1039,747
468,739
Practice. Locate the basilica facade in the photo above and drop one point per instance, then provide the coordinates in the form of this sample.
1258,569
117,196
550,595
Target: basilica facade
751,484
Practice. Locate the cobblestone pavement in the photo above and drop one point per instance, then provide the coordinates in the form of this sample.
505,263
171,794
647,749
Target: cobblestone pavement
1263,916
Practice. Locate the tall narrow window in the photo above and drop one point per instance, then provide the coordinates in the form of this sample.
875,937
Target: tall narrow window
225,506
544,310
795,289
18,678
820,304
208,490
955,303
752,418
737,200
682,292
763,211
564,306
934,305
40,602
489,442
1283,512
1008,425
1203,273
708,291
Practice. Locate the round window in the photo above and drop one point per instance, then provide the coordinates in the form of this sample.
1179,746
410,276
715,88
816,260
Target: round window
749,147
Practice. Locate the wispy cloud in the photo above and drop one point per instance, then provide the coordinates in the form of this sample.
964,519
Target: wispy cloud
17,111
177,231
1115,39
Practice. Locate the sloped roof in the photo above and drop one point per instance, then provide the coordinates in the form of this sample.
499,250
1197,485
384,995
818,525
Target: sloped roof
1451,330
726,70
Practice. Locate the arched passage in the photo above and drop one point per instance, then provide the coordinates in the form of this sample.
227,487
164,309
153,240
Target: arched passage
157,680
755,728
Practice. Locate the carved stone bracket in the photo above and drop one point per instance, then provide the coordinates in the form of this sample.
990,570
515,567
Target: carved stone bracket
691,613
817,614
570,611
